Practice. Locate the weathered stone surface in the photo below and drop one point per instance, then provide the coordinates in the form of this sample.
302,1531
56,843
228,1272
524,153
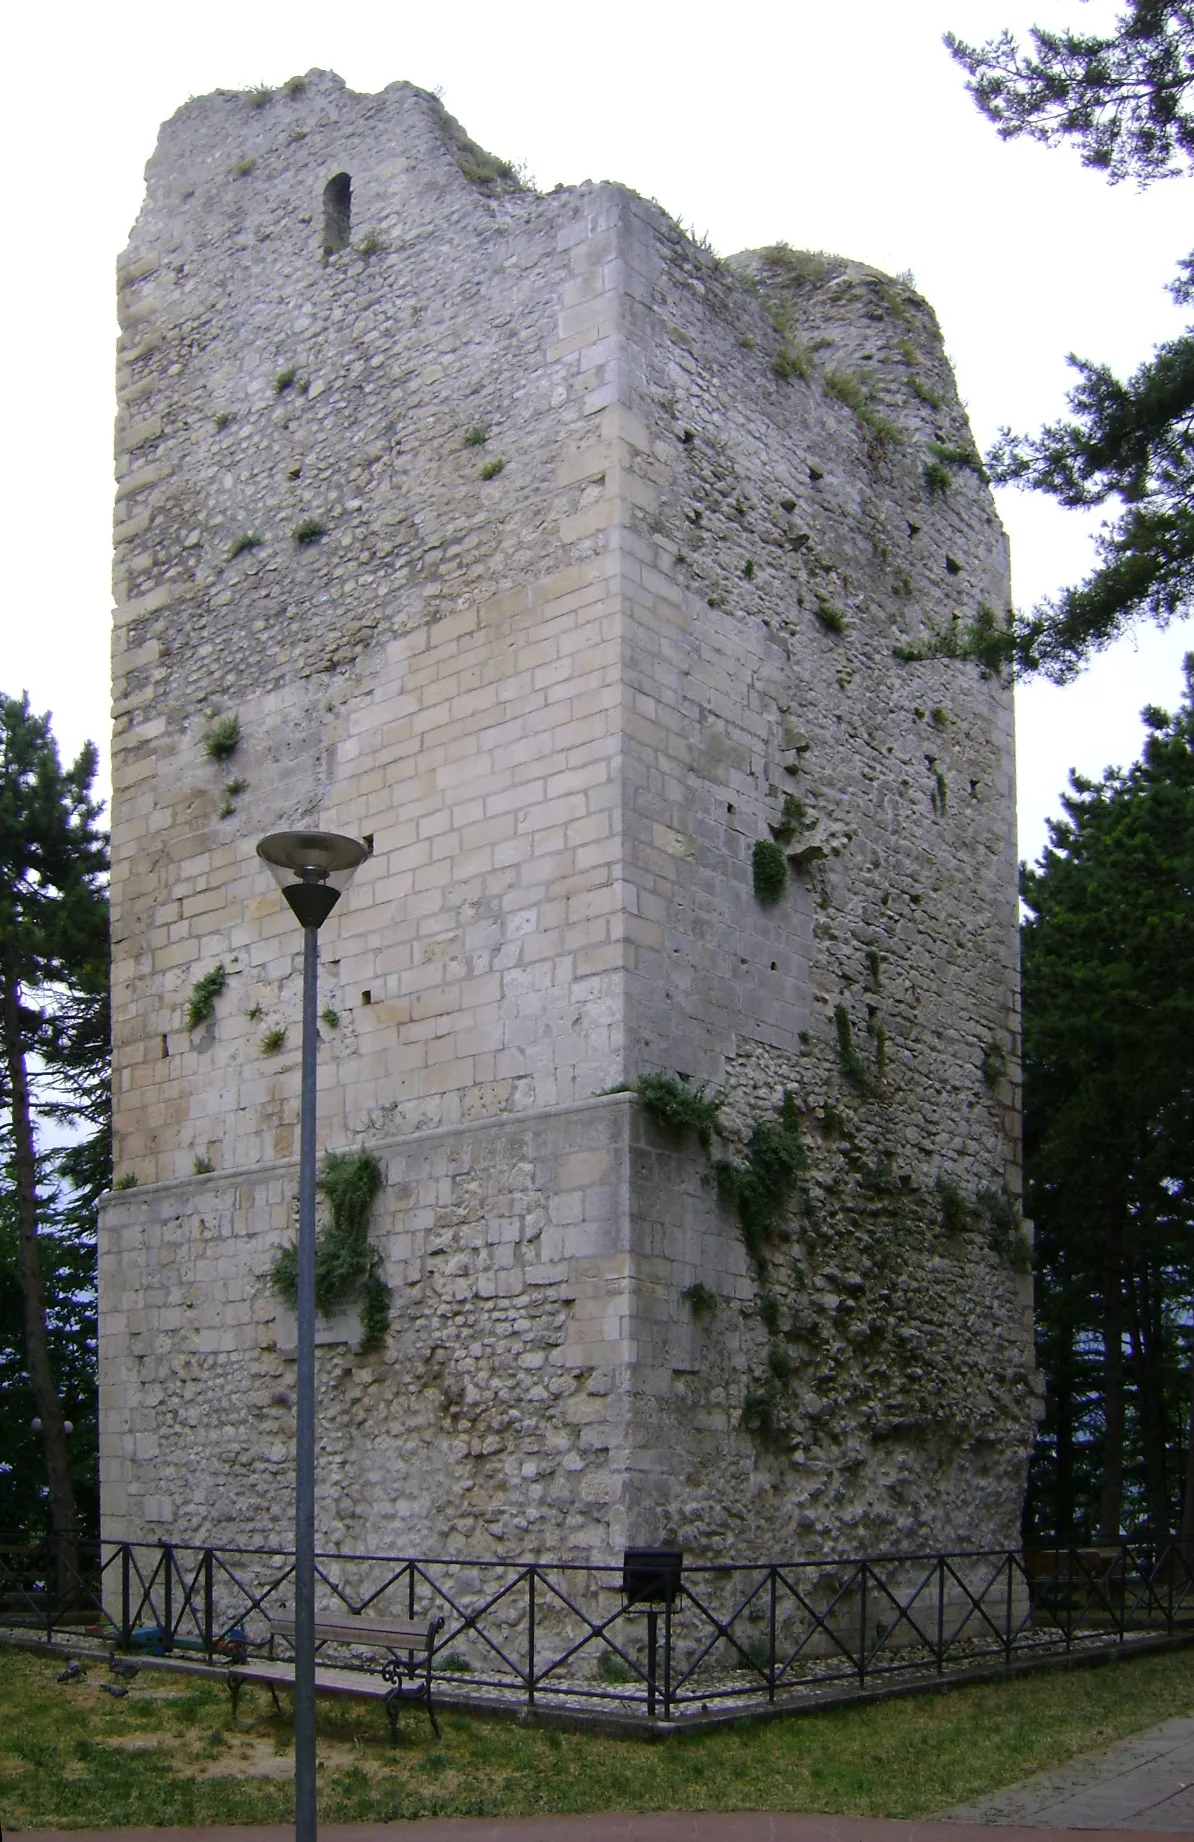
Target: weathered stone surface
565,702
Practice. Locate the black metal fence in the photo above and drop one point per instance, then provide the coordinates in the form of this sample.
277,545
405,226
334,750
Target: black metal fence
565,1637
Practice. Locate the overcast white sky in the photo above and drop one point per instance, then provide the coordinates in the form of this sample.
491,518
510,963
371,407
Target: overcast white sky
843,128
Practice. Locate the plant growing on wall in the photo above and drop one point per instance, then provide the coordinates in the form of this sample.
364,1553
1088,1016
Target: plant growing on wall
201,1005
761,1188
223,738
674,1103
344,1260
769,871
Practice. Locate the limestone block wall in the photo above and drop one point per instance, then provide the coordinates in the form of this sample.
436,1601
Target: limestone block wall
563,702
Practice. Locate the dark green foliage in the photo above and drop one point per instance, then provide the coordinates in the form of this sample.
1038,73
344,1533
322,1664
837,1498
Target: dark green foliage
936,479
477,436
761,1189
248,540
273,1040
127,1182
1108,973
849,1060
375,1306
769,1311
491,469
294,86
955,1210
1131,442
939,716
309,531
985,640
1125,100
344,1260
769,871
760,1412
994,1063
874,966
701,1301
223,738
285,379
1005,1230
201,1005
779,1362
55,1084
674,1103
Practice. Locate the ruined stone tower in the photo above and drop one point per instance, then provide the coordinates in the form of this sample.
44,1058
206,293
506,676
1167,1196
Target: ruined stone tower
568,564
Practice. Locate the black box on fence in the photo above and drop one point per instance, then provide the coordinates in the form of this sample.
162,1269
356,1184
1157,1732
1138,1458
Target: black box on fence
651,1576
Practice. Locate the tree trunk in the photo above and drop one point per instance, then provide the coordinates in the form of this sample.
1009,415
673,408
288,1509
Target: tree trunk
1188,1501
1111,1493
45,1391
1146,1362
1060,1410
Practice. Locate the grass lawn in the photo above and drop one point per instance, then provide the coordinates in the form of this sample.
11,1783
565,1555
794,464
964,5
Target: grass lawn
170,1753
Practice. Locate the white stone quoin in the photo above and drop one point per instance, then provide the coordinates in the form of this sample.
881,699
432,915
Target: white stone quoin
565,702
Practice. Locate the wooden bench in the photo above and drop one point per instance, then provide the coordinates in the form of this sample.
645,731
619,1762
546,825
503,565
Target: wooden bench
405,1675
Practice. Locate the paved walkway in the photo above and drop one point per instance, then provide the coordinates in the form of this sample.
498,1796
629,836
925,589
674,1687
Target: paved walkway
614,1826
1143,1783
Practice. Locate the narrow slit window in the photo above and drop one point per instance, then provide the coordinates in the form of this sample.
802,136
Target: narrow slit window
337,214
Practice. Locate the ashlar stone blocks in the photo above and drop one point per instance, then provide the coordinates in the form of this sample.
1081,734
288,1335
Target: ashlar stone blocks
566,563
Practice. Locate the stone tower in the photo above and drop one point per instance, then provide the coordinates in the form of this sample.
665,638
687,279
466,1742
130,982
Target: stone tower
569,565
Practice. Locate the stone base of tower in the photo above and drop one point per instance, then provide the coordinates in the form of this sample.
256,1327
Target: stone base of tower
545,1388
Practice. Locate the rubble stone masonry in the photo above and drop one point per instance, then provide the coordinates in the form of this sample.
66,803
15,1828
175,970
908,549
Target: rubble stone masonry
565,697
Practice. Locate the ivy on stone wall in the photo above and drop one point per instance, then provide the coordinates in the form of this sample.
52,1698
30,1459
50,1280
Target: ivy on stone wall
344,1260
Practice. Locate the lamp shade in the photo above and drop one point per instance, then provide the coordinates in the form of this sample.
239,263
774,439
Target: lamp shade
312,869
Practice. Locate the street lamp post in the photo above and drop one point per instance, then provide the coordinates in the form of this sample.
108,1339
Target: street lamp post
312,869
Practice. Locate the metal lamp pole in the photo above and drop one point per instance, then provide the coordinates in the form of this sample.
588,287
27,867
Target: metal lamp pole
312,869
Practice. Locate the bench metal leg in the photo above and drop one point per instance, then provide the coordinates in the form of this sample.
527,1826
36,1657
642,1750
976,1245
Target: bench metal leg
234,1688
277,1704
431,1713
393,1706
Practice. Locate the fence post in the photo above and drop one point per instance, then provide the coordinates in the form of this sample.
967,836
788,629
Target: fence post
126,1604
862,1629
771,1644
940,1614
667,1657
168,1606
1007,1623
652,1657
209,1594
531,1637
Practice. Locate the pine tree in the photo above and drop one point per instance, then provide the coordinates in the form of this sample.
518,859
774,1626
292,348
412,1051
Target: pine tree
1108,965
1125,101
54,1032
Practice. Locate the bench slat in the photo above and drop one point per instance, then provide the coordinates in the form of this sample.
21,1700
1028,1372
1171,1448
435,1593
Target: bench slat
366,1631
